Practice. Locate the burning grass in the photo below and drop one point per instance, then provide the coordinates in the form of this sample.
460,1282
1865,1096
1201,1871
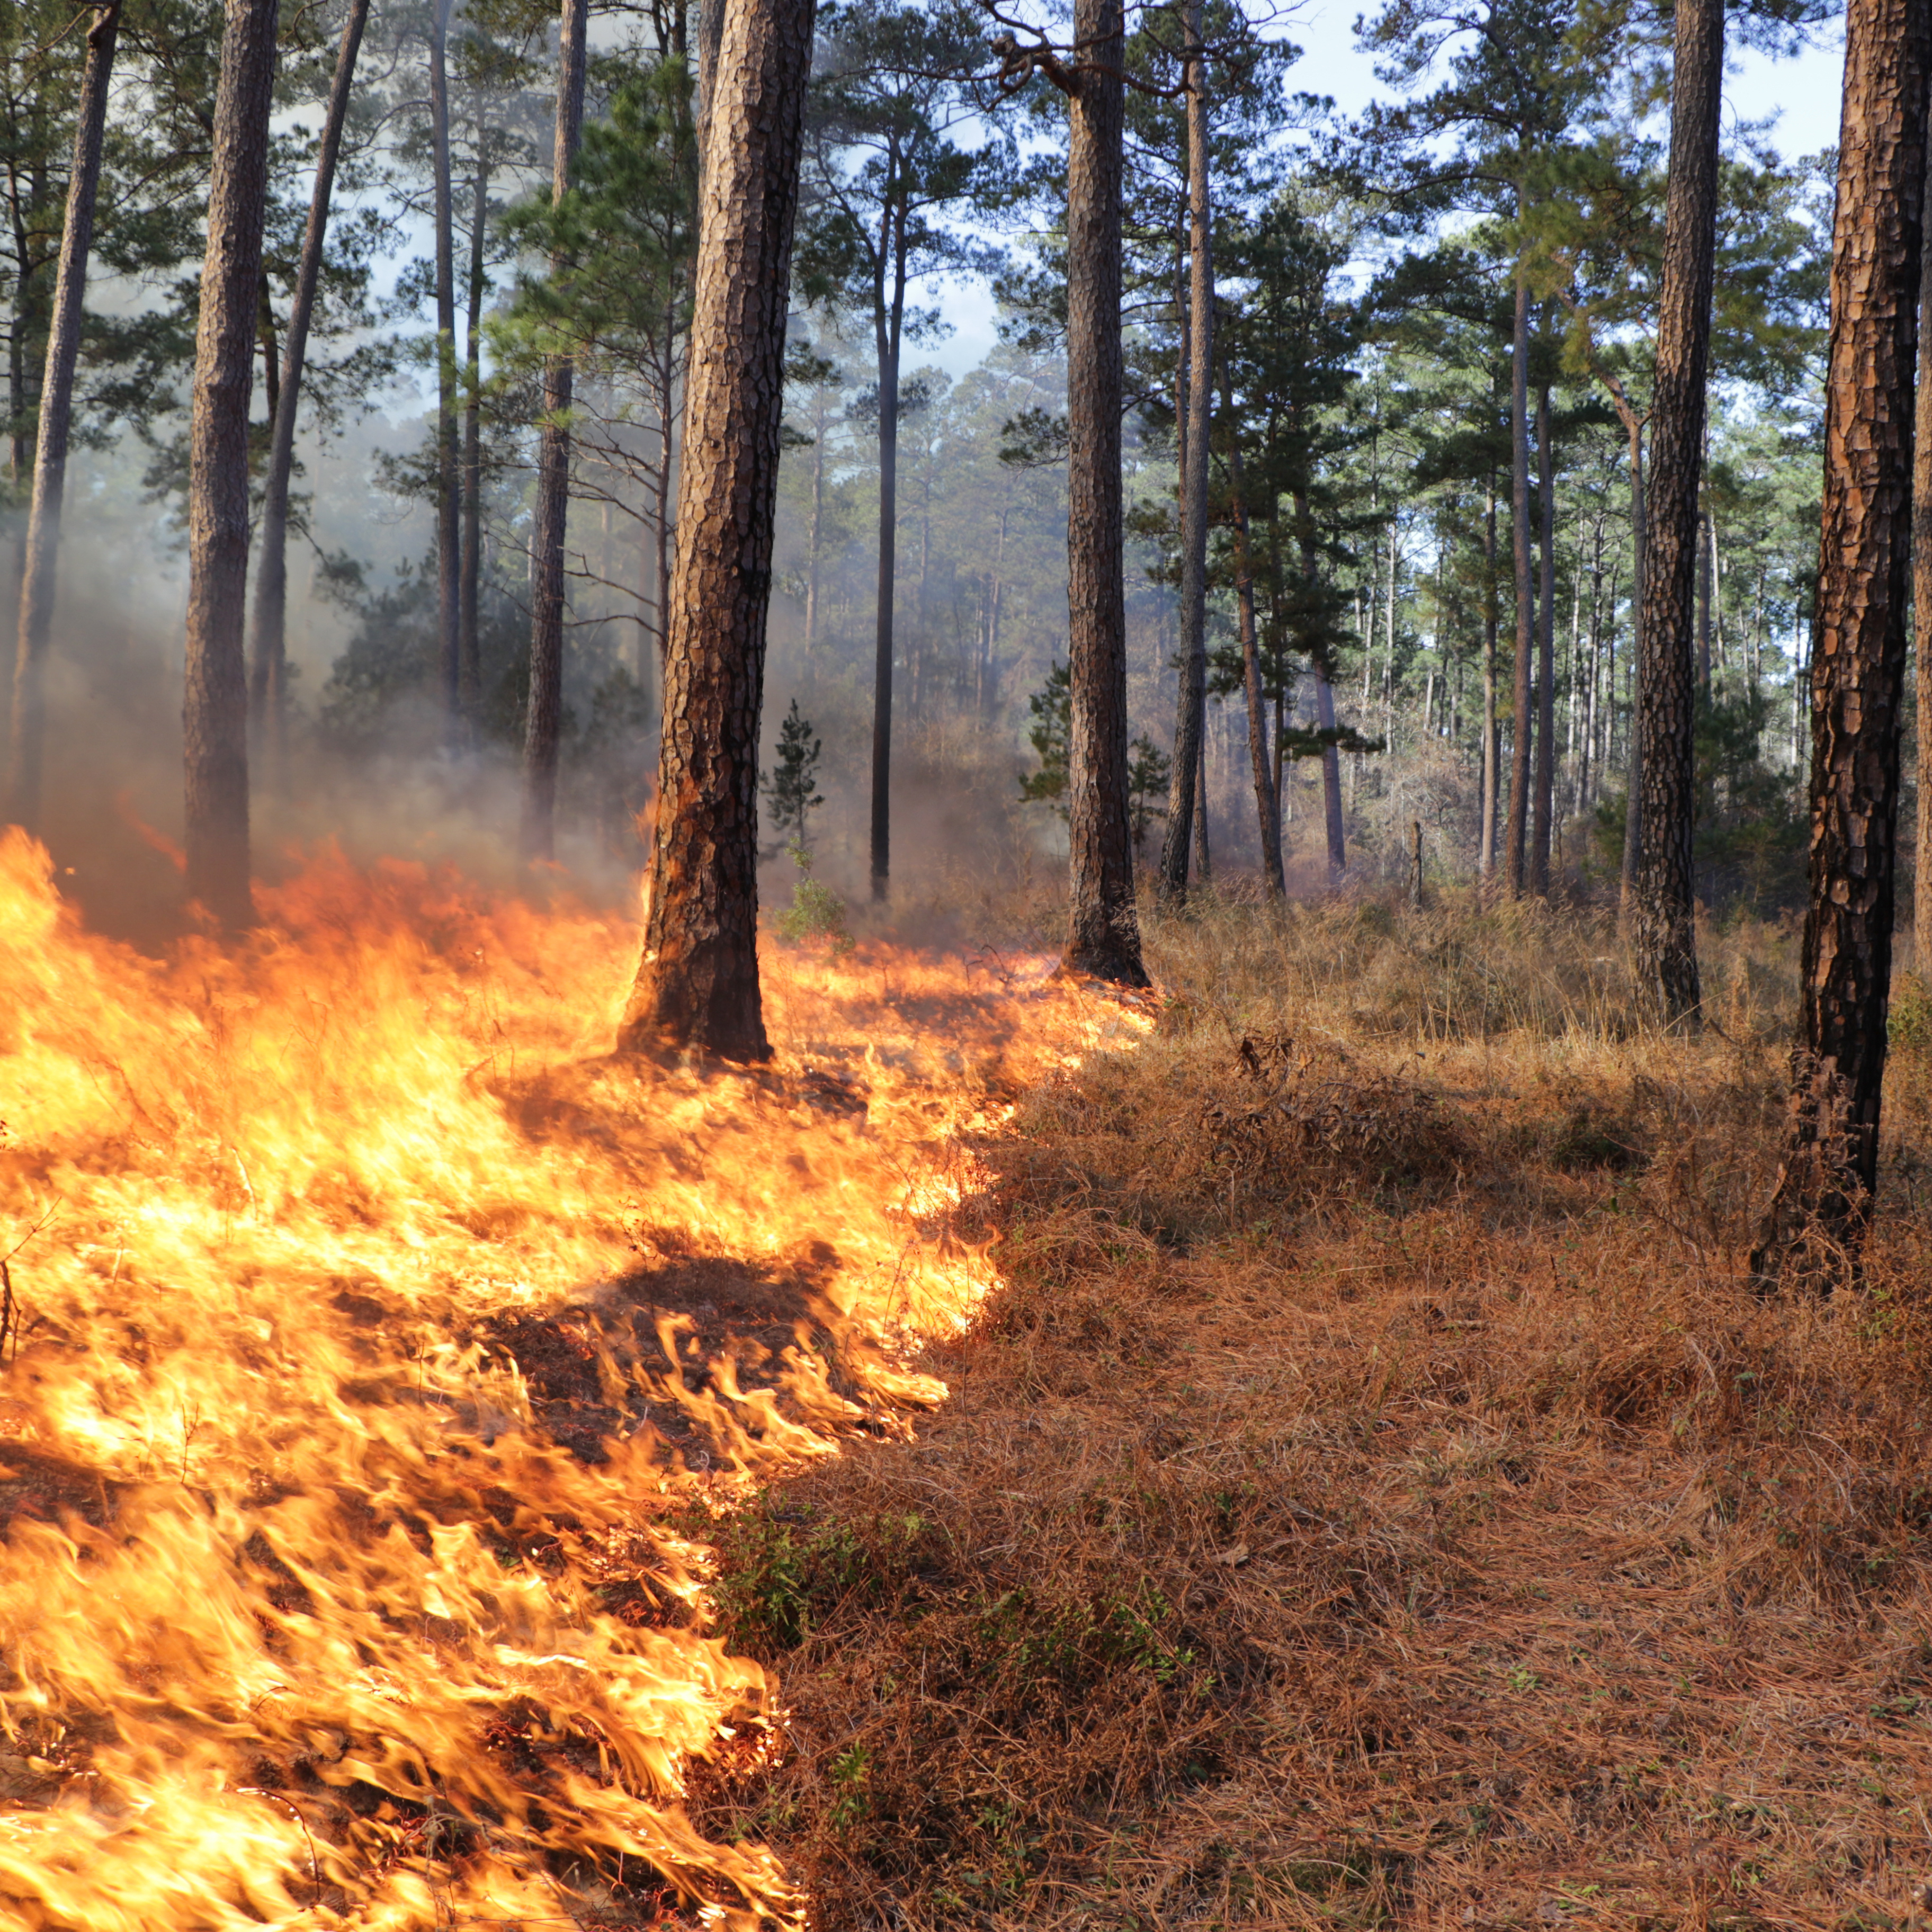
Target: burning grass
1372,1495
366,1331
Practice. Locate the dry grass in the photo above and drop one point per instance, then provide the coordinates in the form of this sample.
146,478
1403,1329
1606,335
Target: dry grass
1374,1496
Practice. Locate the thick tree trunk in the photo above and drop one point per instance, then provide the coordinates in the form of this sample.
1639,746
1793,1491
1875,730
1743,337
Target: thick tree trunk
697,981
448,485
268,687
1191,704
1663,906
1522,728
214,718
1545,803
543,721
1823,1201
469,607
1103,936
1639,568
1921,617
38,573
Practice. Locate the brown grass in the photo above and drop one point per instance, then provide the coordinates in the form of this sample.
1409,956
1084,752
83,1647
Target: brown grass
1374,1496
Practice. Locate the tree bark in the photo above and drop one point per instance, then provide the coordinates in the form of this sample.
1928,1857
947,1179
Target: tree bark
269,689
1191,704
1921,621
1663,936
543,720
448,536
40,566
1523,730
1103,935
214,718
696,985
1545,801
1822,1205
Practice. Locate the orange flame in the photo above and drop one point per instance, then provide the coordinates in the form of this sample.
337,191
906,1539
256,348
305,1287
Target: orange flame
320,1603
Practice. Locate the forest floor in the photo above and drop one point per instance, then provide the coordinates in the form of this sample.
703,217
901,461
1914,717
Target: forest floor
1373,1494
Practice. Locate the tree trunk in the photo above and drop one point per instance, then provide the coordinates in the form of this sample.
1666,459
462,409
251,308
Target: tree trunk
1822,1202
1203,863
1639,568
269,690
888,318
543,721
1191,704
214,717
1663,907
1331,778
1267,806
1516,833
1486,862
37,581
814,542
448,535
1545,803
1922,620
1103,934
469,643
697,980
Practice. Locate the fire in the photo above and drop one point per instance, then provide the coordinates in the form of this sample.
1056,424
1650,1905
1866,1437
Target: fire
369,1327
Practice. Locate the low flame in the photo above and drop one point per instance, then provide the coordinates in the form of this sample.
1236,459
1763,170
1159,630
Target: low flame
366,1328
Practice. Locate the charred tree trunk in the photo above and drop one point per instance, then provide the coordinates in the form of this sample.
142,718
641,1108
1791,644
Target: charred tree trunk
269,690
697,981
448,536
1822,1202
1516,833
543,721
1545,803
214,717
1103,936
40,564
1663,906
1191,705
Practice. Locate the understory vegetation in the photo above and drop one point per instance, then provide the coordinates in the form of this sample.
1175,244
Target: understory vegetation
1373,1495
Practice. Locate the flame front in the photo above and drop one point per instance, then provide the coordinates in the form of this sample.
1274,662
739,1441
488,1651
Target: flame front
311,1609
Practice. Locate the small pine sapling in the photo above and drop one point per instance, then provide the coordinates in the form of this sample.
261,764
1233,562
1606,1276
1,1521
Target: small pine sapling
1051,735
1148,772
790,789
